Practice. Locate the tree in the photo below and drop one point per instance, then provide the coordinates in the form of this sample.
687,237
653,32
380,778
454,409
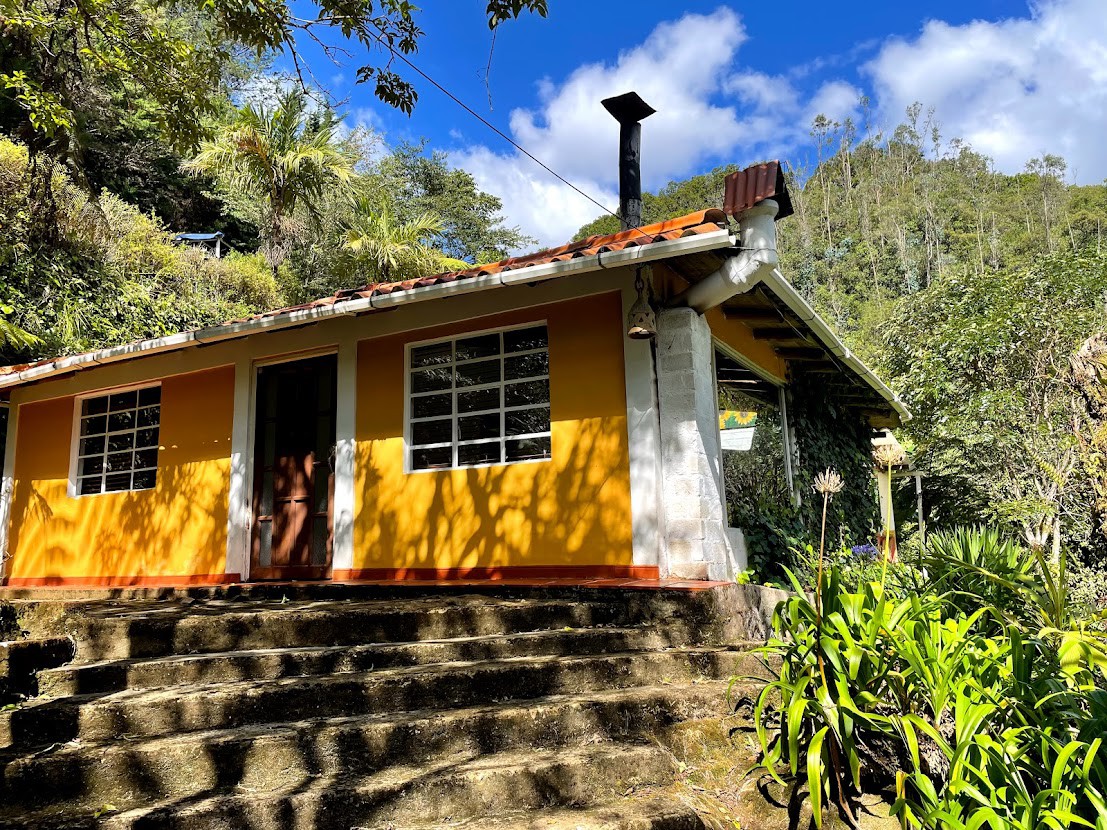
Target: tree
60,58
286,157
414,182
393,248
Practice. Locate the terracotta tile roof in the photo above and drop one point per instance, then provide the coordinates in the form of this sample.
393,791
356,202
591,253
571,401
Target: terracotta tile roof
704,221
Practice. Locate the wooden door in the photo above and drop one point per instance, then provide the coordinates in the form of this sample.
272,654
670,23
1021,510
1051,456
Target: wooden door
294,470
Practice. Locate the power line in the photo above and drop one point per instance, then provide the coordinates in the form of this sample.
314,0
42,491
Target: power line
384,42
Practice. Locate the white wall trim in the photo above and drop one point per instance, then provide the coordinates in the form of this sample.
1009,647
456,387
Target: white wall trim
342,554
643,443
239,508
7,485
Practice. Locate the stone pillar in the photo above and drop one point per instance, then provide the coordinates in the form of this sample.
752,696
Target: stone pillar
694,535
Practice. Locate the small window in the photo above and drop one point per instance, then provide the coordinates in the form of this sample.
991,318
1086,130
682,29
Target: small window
117,441
478,400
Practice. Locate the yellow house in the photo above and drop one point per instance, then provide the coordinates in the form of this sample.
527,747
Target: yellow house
492,423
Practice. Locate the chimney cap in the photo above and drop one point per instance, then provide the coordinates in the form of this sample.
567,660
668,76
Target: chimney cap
628,108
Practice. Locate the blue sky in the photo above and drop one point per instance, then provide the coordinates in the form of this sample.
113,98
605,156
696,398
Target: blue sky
738,82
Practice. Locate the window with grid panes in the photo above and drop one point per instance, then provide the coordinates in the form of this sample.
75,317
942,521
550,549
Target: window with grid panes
118,438
479,400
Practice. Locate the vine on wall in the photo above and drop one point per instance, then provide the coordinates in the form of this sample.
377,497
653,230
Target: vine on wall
827,434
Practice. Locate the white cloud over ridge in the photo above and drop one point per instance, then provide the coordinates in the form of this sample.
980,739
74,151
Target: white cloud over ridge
1013,89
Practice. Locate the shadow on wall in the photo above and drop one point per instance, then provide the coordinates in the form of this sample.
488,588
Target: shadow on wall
177,528
571,510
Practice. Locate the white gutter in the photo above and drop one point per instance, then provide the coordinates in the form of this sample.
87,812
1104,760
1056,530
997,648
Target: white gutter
738,274
784,290
230,331
756,263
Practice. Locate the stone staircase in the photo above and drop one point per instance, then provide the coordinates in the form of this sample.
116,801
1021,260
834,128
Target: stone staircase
282,708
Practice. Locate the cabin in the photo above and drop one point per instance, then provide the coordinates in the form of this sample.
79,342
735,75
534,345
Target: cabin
552,416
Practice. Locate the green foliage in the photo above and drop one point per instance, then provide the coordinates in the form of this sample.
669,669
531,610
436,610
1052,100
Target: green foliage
828,436
113,276
977,718
59,58
286,158
976,565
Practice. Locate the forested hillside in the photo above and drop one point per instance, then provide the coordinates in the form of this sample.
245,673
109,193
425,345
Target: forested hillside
970,291
125,124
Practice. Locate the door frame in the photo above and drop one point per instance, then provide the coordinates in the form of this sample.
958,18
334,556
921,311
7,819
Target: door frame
250,461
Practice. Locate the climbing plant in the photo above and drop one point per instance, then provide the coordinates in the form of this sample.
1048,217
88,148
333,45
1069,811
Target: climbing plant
778,528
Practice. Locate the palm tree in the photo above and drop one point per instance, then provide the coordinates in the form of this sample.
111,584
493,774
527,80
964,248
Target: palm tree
284,155
394,248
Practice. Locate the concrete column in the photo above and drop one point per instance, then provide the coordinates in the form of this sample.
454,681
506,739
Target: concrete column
694,536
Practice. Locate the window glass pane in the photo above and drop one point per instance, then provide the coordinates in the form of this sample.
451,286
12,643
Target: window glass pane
479,400
527,365
527,421
484,345
265,543
117,481
320,534
90,446
478,426
431,459
91,466
432,355
432,432
94,425
146,459
94,406
528,449
149,395
521,394
430,380
146,437
475,374
428,406
145,479
120,421
521,340
119,462
479,453
149,417
90,486
124,400
120,441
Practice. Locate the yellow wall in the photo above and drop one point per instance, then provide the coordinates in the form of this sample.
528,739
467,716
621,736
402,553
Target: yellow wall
572,510
177,528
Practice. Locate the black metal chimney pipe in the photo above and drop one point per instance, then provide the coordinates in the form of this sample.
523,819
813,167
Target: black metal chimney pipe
629,110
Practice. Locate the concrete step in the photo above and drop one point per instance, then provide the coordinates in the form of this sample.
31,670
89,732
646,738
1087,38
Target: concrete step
270,664
275,755
427,795
629,813
114,631
149,713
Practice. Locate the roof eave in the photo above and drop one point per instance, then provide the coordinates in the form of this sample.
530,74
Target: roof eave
695,243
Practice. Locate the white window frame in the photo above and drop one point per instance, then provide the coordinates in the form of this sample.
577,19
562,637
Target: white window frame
409,397
75,440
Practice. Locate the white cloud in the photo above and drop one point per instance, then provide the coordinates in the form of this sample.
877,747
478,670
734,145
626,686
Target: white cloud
687,70
1013,89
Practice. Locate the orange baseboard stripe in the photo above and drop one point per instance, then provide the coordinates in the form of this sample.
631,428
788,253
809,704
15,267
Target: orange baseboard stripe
499,574
120,581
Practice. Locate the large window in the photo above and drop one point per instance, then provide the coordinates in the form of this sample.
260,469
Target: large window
117,441
478,400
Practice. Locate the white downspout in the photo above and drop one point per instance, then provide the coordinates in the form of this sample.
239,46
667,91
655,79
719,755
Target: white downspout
737,275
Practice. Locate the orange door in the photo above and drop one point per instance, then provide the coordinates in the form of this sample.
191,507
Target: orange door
294,470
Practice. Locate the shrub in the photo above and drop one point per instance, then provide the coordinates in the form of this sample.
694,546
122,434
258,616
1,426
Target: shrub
977,717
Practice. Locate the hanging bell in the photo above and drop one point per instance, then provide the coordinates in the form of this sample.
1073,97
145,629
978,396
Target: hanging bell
641,320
